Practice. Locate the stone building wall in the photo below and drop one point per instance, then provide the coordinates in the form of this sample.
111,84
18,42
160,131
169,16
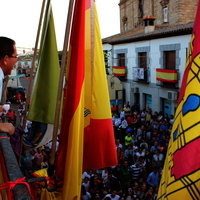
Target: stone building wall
132,12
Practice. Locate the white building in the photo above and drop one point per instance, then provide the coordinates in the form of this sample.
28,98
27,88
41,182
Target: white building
150,63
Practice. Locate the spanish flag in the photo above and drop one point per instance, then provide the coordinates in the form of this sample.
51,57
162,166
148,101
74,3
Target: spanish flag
166,75
86,135
181,173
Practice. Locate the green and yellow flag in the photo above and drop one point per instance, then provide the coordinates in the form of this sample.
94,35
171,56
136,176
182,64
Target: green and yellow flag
44,96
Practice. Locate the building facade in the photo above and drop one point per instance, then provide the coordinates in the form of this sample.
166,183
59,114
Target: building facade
174,12
150,58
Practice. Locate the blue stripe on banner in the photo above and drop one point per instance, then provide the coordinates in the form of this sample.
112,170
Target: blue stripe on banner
116,102
18,76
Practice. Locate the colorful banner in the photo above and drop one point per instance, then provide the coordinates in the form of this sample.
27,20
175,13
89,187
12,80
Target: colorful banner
180,177
167,75
86,136
138,73
119,71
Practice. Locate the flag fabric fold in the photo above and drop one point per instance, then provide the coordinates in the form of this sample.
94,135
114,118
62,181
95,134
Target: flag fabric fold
44,96
86,135
180,177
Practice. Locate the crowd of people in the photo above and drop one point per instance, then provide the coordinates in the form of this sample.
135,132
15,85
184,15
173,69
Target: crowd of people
142,139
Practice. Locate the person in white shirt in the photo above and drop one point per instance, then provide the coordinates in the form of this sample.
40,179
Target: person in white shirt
116,123
113,195
8,58
122,113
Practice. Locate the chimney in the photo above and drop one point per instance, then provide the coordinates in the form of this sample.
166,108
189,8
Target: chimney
149,24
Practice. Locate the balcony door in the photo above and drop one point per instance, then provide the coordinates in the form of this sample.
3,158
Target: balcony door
170,64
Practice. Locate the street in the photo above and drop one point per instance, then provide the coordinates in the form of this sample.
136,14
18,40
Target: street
24,82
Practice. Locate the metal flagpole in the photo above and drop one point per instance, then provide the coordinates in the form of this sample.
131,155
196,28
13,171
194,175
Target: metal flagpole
28,94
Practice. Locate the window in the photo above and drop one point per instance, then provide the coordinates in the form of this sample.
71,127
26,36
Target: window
169,59
170,64
121,59
142,66
165,14
125,27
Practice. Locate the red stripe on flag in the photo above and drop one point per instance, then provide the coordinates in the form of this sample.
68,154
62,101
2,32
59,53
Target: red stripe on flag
166,71
166,80
186,155
74,83
119,67
106,153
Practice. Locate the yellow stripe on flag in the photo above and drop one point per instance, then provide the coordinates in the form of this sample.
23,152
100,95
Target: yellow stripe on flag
167,75
119,71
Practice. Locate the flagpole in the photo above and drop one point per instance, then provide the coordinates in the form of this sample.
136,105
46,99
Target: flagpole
28,94
61,82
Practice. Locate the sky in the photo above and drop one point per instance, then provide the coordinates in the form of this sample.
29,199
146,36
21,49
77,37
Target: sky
19,19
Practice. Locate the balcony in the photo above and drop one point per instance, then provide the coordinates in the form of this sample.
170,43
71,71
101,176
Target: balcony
120,72
167,75
141,75
167,78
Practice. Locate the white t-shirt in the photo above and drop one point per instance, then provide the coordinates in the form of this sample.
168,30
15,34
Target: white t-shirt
87,196
114,198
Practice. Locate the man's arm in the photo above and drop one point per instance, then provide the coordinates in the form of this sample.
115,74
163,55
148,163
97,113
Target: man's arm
7,128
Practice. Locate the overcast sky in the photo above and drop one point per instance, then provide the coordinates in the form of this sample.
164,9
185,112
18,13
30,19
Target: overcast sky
19,19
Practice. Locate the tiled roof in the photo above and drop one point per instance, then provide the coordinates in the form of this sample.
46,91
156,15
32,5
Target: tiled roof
159,32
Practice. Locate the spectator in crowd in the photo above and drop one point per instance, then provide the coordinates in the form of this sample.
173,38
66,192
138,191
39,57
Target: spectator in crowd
112,183
123,126
113,195
142,190
128,138
118,144
105,173
136,170
86,183
154,178
140,153
125,177
148,117
18,97
158,159
38,158
129,154
11,116
154,147
127,110
116,123
135,122
129,194
26,162
122,114
114,109
84,194
120,155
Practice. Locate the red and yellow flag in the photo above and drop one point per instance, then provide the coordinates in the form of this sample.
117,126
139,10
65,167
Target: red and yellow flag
86,137
180,178
119,71
167,75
